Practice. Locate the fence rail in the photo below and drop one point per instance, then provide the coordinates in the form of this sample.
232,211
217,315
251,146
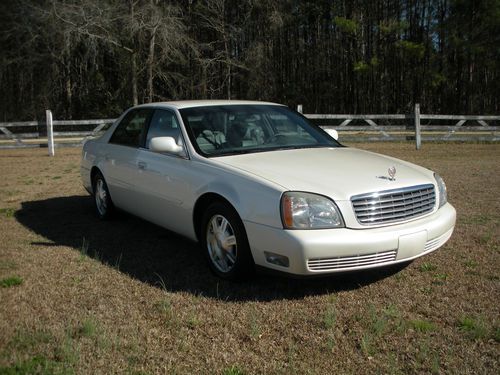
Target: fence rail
415,126
50,133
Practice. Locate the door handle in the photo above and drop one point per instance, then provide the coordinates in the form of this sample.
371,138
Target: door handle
141,165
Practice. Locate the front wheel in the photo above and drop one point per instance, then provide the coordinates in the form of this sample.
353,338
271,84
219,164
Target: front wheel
225,243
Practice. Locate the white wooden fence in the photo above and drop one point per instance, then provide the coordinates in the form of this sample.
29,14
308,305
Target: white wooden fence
50,134
415,127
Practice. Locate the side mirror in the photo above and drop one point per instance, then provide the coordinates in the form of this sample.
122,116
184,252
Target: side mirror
332,133
165,144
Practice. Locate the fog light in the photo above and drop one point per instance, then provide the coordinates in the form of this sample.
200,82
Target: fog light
279,260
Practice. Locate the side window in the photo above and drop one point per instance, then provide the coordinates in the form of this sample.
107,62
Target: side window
164,124
129,131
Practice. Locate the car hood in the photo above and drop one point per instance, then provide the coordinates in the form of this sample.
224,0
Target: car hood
339,172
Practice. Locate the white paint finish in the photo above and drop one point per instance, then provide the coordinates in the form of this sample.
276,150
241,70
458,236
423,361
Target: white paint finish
418,136
335,172
118,164
411,245
332,133
204,103
301,245
50,132
164,188
165,144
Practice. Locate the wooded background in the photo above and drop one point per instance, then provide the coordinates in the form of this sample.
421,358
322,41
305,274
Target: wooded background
94,58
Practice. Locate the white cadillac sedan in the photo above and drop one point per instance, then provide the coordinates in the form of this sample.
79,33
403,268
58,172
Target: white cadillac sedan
257,185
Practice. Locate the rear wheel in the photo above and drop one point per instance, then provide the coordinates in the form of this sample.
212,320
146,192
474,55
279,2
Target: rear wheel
225,243
102,198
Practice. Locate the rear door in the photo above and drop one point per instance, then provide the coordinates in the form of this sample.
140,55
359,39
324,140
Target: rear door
121,164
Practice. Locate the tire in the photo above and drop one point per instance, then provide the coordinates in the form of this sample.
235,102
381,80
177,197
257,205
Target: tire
102,199
225,244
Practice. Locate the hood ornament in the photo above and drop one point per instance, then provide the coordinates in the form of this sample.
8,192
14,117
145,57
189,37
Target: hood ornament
392,173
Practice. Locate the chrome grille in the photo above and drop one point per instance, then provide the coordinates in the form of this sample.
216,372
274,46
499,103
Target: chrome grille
351,261
395,205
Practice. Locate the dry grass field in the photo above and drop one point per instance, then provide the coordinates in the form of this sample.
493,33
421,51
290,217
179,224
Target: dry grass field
88,297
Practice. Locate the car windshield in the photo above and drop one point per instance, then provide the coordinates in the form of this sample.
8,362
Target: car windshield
238,129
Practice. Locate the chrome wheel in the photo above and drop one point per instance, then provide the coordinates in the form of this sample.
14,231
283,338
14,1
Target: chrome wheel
101,197
221,243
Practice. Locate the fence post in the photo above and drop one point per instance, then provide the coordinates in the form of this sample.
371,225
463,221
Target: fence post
418,137
299,108
50,132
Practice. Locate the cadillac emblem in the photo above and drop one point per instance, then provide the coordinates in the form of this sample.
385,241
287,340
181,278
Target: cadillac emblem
392,173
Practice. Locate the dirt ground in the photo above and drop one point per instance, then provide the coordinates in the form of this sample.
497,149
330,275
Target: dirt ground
88,297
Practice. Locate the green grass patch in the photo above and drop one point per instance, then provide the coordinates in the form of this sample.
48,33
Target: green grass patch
330,342
474,328
485,238
84,250
9,193
233,370
255,329
330,317
7,212
367,345
39,365
193,321
495,335
392,311
11,281
480,219
426,290
427,267
164,306
7,265
25,340
471,263
31,342
87,328
423,326
378,324
67,353
427,359
439,278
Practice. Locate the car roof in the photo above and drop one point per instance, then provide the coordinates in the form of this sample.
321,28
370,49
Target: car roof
202,103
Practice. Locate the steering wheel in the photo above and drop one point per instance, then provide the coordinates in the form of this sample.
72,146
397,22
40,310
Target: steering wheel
275,138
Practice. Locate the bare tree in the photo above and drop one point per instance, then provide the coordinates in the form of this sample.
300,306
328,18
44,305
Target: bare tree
215,15
160,29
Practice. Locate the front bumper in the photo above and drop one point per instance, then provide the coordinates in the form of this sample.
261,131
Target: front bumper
312,252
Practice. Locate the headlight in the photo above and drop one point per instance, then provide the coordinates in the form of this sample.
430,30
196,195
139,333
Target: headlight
309,211
443,195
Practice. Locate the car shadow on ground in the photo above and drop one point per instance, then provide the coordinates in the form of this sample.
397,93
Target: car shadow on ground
163,259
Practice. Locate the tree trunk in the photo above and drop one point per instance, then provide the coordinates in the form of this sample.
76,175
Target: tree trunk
68,95
133,60
150,63
133,77
229,73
